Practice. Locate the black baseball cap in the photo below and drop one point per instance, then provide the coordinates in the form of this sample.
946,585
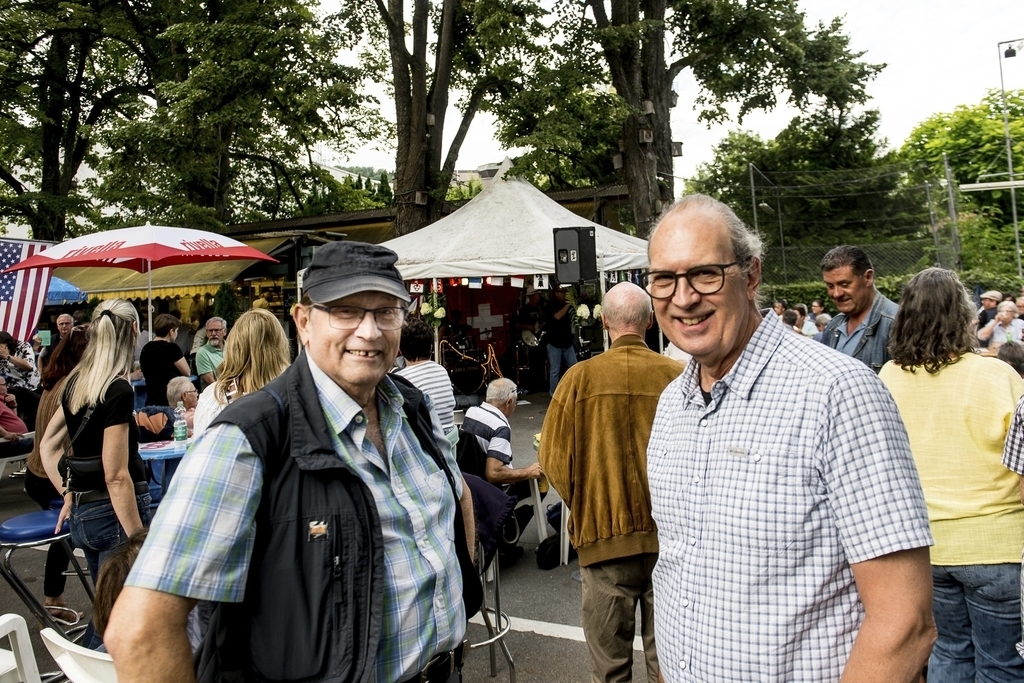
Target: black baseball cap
340,269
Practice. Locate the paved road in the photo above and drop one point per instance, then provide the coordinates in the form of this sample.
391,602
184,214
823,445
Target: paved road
546,642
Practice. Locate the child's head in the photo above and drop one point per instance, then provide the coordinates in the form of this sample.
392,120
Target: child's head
111,580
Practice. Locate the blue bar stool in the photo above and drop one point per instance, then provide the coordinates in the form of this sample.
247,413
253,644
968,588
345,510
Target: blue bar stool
29,531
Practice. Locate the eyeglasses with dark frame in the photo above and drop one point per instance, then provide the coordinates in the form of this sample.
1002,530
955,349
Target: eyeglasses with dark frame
348,317
706,279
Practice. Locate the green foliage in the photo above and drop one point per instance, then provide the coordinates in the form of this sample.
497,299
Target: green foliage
68,70
384,195
972,136
568,120
462,191
796,293
987,244
825,179
204,111
225,304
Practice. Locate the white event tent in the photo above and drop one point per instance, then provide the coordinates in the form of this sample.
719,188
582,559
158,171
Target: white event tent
506,230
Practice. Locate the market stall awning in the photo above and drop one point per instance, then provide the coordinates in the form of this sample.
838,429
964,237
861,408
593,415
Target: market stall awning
185,280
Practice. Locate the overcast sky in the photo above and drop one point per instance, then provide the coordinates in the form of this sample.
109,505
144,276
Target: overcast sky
940,53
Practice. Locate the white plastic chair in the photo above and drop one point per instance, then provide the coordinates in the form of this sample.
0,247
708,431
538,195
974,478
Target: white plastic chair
79,664
18,663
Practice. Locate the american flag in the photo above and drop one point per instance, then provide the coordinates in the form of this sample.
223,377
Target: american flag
23,292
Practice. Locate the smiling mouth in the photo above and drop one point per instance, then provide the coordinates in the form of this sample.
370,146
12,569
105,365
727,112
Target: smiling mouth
695,321
364,354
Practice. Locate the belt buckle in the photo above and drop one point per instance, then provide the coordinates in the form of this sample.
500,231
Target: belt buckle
428,671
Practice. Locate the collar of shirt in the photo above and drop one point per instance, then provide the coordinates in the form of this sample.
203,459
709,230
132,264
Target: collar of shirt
741,377
491,409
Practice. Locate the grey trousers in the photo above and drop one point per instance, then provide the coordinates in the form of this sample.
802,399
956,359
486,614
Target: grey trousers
611,592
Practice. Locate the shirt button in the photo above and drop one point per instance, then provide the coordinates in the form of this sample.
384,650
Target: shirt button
686,602
682,663
693,540
696,479
757,457
703,423
359,419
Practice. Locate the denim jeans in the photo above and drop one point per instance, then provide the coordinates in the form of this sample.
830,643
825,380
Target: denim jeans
977,612
559,360
95,529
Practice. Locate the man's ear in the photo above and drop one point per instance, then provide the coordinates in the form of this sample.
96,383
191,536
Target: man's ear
300,314
753,278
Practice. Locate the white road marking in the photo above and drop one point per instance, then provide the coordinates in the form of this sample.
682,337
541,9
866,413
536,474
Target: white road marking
551,630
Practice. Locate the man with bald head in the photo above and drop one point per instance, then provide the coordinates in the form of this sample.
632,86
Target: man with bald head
593,450
792,529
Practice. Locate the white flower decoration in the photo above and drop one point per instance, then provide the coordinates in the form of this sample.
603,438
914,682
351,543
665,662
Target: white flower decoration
426,308
439,313
583,312
597,311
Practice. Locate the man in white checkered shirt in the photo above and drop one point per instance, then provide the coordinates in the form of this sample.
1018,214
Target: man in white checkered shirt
793,531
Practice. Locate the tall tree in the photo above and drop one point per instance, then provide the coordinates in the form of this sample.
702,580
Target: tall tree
738,52
68,70
238,87
481,49
827,171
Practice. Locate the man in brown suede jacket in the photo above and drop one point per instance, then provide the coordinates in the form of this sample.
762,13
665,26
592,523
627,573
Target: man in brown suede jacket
594,452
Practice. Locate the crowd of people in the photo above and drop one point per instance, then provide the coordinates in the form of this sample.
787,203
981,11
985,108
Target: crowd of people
776,508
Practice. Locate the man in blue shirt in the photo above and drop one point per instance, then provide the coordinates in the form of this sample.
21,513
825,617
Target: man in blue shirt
861,329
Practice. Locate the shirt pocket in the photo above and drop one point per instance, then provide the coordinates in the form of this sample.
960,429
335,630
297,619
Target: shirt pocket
759,501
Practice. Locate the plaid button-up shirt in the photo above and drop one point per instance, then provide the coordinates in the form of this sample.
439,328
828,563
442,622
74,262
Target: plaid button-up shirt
798,467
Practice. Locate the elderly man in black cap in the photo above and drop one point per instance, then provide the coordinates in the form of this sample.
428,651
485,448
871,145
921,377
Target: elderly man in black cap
324,514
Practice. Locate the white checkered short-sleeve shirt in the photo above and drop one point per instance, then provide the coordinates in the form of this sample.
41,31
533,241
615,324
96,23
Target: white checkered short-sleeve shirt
798,467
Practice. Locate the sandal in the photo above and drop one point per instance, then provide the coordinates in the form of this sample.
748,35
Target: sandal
64,615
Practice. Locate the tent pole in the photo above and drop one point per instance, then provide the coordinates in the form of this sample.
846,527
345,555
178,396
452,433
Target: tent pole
604,289
149,285
437,335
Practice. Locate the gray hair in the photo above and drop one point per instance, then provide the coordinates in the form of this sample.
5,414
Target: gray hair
627,306
1007,306
746,244
176,388
216,319
822,319
501,391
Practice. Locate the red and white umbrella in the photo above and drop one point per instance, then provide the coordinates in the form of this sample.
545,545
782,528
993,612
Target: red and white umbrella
142,249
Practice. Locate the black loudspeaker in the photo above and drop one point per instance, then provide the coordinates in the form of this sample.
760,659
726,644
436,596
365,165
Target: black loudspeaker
575,255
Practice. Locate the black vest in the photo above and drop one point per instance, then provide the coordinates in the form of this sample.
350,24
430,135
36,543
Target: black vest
313,600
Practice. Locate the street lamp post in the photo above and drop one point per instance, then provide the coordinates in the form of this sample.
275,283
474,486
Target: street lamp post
1010,52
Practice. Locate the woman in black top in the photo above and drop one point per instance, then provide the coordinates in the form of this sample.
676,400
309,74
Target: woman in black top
162,360
103,480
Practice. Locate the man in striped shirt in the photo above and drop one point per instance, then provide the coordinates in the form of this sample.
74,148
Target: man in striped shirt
488,424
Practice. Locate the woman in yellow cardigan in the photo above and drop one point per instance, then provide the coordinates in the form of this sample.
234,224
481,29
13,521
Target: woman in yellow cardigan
957,408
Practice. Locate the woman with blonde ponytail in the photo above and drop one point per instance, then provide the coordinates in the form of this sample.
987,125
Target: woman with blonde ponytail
102,477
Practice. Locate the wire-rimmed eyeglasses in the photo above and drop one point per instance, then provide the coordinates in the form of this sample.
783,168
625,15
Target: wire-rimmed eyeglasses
348,317
705,279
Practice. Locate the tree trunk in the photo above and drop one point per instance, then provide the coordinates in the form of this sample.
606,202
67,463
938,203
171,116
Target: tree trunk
641,78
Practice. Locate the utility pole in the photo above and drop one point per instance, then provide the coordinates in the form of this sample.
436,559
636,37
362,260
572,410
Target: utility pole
753,195
1010,52
954,228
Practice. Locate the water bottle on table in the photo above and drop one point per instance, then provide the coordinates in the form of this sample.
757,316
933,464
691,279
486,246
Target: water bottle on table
180,426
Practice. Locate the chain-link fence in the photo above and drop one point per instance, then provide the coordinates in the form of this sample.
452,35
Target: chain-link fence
802,263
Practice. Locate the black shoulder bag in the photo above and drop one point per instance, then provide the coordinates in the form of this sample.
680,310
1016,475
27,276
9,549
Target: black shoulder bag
64,464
